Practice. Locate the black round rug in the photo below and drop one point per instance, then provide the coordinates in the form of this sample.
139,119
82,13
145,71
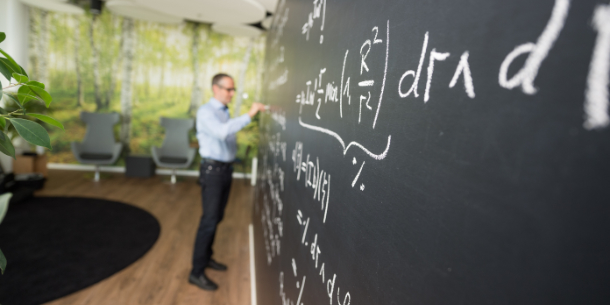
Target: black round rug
57,245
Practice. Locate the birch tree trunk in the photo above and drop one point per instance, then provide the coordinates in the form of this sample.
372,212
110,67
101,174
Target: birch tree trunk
116,64
79,78
95,65
163,64
33,42
242,79
127,53
43,48
196,93
260,71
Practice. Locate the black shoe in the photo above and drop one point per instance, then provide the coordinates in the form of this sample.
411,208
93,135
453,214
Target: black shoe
216,265
202,282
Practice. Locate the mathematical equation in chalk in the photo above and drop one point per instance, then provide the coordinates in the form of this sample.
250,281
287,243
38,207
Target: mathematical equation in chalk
366,89
273,206
314,177
276,146
277,63
279,116
368,93
312,245
318,13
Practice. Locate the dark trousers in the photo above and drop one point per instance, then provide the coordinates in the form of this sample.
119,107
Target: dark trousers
215,180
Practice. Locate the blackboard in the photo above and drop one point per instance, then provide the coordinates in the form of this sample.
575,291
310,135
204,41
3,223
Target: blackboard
435,152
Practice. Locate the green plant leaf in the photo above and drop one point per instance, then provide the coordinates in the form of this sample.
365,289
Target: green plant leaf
0,90
23,71
28,93
20,78
4,201
47,119
2,122
41,94
2,36
16,67
32,132
36,84
5,68
16,102
2,262
25,94
6,146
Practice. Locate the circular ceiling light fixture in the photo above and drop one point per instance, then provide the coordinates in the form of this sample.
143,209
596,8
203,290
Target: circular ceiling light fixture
209,11
266,24
55,6
269,5
133,10
236,29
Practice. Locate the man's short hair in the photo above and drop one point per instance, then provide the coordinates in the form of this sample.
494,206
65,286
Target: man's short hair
218,77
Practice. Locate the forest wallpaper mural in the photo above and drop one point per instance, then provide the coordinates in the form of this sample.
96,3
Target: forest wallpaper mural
142,70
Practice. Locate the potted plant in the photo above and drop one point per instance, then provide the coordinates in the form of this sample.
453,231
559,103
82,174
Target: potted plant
23,93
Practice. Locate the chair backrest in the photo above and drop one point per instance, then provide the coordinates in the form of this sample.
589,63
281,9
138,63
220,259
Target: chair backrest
100,136
176,142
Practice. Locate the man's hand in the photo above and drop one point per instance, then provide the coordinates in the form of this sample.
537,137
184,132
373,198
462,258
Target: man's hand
256,107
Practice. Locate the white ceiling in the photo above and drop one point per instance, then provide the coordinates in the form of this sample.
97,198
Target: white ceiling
55,6
269,4
210,11
130,9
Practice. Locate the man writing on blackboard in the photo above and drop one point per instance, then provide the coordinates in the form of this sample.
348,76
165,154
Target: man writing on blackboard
216,135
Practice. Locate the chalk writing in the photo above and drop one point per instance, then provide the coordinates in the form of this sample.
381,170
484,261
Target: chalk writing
313,247
300,286
537,52
282,79
464,68
319,12
279,117
279,22
596,94
333,134
314,177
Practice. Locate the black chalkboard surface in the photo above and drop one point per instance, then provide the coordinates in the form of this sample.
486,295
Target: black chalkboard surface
435,152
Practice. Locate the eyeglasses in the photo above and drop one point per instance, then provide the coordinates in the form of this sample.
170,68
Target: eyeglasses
228,89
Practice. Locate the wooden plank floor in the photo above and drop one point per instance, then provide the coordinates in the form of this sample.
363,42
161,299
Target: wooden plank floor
160,276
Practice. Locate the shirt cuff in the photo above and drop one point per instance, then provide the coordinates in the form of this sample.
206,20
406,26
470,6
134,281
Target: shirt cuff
245,119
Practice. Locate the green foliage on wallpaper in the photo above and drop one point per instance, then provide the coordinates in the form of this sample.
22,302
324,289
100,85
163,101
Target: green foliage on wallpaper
162,75
16,116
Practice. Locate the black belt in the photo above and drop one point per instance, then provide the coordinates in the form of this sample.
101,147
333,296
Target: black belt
215,162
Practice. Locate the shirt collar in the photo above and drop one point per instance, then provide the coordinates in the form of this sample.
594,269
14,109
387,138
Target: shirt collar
217,104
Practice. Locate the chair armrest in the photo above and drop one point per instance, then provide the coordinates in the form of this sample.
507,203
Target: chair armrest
76,150
191,155
116,152
154,151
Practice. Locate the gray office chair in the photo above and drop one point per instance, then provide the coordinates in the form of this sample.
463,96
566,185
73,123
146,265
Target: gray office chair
98,147
175,152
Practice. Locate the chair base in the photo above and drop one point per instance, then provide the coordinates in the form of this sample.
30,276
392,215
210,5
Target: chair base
96,177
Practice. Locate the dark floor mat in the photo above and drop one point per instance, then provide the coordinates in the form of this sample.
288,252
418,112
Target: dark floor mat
58,245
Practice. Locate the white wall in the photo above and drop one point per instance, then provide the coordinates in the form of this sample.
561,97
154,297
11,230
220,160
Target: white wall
14,21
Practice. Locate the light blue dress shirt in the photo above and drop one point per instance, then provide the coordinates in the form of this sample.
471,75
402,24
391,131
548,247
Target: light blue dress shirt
216,131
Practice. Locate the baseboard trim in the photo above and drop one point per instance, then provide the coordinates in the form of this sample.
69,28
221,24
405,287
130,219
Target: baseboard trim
121,169
252,267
